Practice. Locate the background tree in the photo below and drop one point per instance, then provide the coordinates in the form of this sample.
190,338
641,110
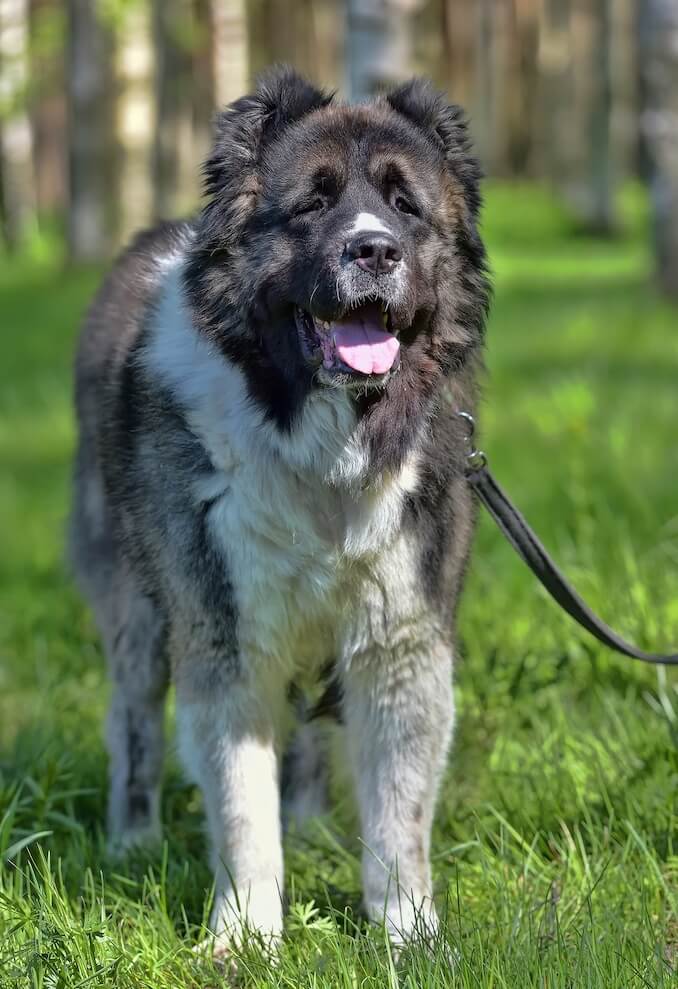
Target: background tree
89,81
173,165
47,105
379,44
577,107
228,26
552,89
135,118
659,125
17,183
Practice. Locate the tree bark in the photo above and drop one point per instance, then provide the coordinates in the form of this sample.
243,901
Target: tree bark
591,189
174,164
458,30
522,86
90,132
624,82
17,184
203,97
659,124
231,65
576,108
379,44
48,107
135,120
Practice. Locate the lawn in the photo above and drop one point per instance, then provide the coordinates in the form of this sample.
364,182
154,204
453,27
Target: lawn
556,839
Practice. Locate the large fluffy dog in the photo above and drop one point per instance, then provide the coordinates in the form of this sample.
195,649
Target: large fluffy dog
269,485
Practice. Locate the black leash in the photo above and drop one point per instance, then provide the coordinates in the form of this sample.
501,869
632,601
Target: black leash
528,546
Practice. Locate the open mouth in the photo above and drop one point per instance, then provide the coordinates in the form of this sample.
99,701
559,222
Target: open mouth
361,342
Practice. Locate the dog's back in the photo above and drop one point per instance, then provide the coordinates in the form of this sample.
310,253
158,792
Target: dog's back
110,333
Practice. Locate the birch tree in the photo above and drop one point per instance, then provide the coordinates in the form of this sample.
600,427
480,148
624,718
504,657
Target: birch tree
590,188
16,147
230,51
174,160
576,111
134,67
379,44
659,125
308,34
90,131
458,27
48,105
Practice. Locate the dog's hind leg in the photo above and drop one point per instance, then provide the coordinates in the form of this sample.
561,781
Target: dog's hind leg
305,772
134,637
133,632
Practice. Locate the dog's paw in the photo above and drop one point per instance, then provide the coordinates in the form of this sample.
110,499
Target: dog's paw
406,925
136,839
219,951
253,918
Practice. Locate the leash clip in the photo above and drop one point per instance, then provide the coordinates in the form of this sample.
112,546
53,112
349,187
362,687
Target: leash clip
475,458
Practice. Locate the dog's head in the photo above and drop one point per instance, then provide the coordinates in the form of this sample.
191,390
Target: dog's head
339,246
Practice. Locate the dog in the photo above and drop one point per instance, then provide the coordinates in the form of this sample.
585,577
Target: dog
269,485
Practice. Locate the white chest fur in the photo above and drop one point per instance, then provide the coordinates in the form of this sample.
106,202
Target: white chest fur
290,513
296,550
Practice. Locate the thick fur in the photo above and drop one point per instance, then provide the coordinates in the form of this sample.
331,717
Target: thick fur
241,522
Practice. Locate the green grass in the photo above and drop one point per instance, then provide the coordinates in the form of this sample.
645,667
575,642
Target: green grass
556,839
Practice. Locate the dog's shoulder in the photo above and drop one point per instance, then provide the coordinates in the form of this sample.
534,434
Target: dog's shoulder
117,314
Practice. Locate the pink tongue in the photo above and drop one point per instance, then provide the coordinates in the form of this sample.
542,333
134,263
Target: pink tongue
362,342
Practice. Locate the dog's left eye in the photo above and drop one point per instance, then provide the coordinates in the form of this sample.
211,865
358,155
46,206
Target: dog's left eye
404,205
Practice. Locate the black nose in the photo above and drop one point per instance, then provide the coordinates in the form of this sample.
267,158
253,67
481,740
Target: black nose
377,253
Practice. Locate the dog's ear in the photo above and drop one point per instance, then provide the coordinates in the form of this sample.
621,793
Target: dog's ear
242,131
443,123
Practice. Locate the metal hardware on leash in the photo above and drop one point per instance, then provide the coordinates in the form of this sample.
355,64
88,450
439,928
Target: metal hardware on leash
475,458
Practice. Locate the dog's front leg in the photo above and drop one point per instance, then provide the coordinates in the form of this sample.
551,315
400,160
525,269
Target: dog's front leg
398,708
228,740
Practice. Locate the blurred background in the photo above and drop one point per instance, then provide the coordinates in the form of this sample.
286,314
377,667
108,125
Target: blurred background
105,105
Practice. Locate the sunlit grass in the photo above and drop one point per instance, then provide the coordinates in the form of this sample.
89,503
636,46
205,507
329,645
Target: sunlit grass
556,841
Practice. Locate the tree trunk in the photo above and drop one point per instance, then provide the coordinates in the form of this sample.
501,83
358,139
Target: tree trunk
458,30
625,88
379,44
17,183
134,120
230,50
659,124
498,33
174,164
591,190
203,97
522,86
576,108
90,132
48,108
555,67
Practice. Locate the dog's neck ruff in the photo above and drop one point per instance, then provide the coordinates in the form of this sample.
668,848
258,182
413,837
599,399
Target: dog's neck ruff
326,439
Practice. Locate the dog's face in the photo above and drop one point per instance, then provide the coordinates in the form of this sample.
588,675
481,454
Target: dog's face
339,247
362,216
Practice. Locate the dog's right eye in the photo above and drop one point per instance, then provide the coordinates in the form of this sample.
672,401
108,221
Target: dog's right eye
314,206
